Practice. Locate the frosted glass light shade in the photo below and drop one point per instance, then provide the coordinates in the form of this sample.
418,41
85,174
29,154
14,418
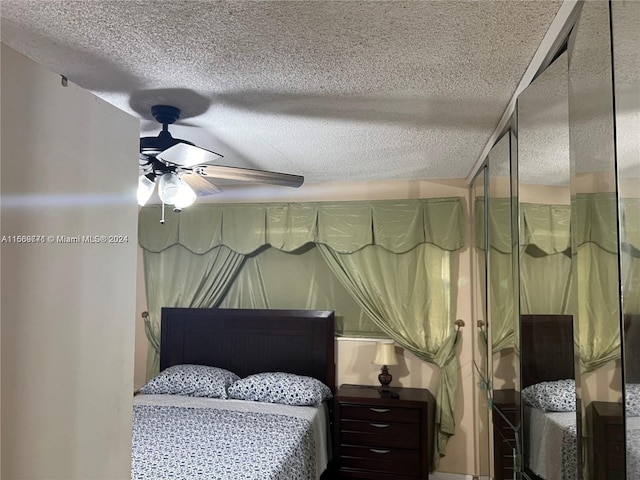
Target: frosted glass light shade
145,189
385,353
174,191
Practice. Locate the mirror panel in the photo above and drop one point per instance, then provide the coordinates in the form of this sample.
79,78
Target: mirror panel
502,295
502,309
481,356
625,21
595,243
545,283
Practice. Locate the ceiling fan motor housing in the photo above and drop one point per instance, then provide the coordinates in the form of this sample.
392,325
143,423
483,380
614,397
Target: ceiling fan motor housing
166,115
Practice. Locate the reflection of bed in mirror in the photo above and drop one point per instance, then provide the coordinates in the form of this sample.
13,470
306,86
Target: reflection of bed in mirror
549,409
546,359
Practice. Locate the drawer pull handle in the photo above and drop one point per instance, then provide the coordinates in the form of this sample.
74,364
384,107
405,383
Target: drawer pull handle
381,410
379,425
375,450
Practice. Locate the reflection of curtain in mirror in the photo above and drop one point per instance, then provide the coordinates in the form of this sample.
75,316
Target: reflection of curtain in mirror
630,271
599,275
630,254
501,287
545,283
545,260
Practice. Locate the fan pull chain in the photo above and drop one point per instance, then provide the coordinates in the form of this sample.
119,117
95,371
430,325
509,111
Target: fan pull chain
162,218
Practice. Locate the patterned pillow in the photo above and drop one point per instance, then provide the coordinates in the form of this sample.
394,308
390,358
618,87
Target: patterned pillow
192,380
632,397
279,387
555,396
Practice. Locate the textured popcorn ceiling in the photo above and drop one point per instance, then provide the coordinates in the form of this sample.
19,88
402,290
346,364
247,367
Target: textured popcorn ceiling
334,91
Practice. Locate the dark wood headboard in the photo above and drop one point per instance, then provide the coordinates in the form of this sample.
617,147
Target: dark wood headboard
247,341
546,350
632,347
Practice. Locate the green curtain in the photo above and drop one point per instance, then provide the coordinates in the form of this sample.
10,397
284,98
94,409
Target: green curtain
502,300
598,294
601,269
272,278
550,280
176,277
630,262
501,288
546,283
545,264
409,297
396,225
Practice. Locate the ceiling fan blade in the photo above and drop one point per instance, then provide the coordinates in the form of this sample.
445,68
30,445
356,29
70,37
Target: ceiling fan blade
187,155
200,185
249,175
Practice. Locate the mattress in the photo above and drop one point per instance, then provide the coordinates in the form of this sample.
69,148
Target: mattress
181,437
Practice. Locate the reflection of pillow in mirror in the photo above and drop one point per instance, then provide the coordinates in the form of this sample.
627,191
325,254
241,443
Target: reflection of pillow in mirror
632,397
554,396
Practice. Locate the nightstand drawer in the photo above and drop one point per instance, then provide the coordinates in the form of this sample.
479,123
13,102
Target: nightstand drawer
616,453
615,432
386,434
381,414
388,460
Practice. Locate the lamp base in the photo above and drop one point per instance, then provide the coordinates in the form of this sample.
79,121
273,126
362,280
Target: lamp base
385,379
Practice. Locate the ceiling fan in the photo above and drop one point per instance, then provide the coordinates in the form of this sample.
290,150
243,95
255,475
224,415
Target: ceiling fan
185,171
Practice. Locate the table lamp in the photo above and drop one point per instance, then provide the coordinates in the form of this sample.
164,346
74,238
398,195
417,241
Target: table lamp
385,355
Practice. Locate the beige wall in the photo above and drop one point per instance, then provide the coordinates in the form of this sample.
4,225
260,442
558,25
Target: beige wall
68,169
603,384
354,356
544,194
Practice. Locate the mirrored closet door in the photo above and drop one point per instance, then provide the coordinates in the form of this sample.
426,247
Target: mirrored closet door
481,357
546,300
625,22
502,308
597,319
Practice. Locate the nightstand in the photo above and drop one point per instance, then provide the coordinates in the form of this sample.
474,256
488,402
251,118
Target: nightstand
380,437
504,435
608,441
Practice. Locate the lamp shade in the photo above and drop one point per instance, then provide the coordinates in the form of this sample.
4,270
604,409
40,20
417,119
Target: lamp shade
174,191
385,353
145,189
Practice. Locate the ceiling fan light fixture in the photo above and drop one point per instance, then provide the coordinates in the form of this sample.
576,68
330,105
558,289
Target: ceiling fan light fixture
174,191
145,189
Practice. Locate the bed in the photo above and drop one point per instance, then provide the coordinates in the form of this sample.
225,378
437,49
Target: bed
242,394
550,429
547,356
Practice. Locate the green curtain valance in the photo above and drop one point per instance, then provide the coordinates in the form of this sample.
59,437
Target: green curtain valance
545,226
499,224
346,227
548,226
597,225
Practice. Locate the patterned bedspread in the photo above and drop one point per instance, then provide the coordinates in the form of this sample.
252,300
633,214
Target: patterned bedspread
551,443
633,447
195,441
